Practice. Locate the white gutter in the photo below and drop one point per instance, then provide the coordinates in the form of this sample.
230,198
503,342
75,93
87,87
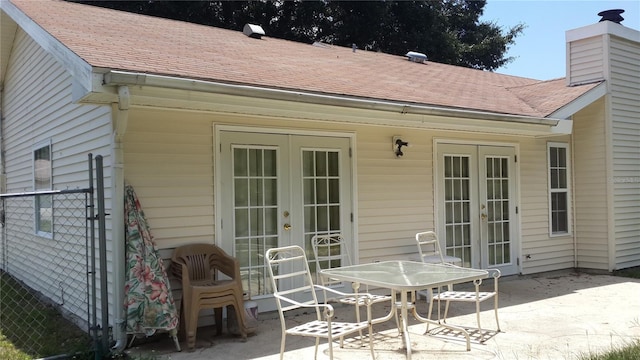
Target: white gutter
122,78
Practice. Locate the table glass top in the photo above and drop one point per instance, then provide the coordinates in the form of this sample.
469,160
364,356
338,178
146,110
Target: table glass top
405,275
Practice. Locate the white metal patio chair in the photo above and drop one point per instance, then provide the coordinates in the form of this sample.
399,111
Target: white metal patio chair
289,265
429,247
331,251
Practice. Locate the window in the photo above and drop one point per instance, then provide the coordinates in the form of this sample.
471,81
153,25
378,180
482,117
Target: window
559,210
42,181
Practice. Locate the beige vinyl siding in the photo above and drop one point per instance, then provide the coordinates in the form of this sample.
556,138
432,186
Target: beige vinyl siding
586,60
395,195
625,113
540,252
169,162
73,131
591,211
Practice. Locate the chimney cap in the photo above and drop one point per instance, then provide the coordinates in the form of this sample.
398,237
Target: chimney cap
611,15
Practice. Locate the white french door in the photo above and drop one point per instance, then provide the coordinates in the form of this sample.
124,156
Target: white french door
476,198
278,190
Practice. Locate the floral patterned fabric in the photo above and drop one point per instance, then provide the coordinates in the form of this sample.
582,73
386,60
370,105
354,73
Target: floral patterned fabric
148,302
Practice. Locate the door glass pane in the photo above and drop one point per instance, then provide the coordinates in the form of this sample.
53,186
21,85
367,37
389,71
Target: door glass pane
457,205
334,191
308,163
241,192
333,163
255,204
270,163
309,191
255,162
240,159
321,163
498,199
321,191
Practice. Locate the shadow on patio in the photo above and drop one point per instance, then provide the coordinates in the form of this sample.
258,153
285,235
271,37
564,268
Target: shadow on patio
557,315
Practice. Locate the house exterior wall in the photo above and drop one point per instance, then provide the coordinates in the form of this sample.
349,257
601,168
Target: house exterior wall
169,161
609,51
585,60
624,80
590,179
540,251
37,107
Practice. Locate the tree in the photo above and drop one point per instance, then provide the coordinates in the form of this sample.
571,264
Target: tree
448,31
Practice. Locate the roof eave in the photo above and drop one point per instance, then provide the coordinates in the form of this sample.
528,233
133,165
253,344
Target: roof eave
417,115
78,67
579,103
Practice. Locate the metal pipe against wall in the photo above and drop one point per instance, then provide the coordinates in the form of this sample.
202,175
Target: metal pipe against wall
102,247
93,326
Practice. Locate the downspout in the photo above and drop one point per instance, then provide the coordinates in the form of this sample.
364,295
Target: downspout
573,203
3,175
120,111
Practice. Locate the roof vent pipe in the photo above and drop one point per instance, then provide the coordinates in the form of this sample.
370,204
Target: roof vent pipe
611,15
416,57
253,31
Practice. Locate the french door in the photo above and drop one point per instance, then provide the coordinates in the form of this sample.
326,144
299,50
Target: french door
476,197
278,190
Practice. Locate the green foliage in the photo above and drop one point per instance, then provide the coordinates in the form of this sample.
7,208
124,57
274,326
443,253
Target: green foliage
448,31
633,272
629,352
26,323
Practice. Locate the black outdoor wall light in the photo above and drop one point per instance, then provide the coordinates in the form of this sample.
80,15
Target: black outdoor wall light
398,143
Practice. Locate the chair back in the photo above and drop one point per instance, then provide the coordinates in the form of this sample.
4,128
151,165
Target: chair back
205,262
291,279
329,251
429,247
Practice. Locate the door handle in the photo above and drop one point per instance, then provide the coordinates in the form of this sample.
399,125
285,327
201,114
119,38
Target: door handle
287,227
483,216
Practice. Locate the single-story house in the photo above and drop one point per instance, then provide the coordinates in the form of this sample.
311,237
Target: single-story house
251,142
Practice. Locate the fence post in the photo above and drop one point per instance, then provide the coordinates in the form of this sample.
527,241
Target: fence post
102,248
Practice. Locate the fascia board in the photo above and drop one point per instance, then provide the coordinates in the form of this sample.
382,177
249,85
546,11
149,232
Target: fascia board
77,67
580,102
156,90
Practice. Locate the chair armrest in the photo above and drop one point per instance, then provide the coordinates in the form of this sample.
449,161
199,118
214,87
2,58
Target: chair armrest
227,265
186,282
495,273
327,308
365,296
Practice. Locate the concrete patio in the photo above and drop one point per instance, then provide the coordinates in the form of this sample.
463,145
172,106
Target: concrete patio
559,315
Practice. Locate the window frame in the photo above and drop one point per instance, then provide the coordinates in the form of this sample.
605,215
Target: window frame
566,190
37,207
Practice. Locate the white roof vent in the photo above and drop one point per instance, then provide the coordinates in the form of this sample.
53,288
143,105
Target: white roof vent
416,57
253,31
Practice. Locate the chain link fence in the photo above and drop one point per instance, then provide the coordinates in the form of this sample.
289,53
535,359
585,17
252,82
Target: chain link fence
47,285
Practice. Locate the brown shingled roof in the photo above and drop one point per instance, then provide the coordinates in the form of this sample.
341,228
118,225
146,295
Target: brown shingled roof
124,41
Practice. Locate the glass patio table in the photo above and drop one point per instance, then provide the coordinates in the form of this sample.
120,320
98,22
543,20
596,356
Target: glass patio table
406,277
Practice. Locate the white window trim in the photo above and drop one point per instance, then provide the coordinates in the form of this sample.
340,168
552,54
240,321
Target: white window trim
568,189
34,148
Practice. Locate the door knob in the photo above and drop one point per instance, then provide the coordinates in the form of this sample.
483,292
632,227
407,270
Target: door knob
287,227
483,216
